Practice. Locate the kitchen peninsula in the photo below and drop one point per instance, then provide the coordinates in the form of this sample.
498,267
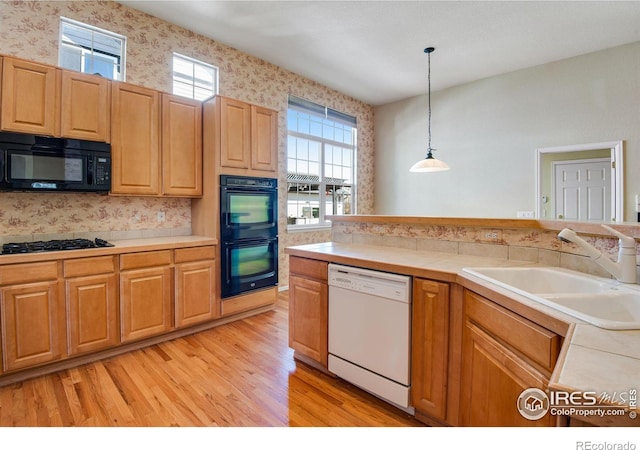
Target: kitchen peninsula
474,343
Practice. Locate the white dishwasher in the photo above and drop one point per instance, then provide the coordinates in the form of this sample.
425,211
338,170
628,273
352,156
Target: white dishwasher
370,331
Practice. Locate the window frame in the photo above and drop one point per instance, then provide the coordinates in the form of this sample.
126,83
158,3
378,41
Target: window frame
195,62
322,181
92,50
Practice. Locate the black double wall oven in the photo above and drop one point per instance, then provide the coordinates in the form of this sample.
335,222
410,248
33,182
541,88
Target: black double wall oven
249,234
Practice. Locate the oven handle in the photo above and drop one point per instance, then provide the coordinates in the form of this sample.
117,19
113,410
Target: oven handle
251,241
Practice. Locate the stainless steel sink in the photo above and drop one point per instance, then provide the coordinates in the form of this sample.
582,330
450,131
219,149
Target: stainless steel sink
603,302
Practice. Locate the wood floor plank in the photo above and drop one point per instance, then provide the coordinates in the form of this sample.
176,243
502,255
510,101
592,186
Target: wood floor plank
6,407
94,396
241,374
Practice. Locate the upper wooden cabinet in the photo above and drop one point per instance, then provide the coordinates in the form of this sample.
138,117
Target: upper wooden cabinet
45,100
156,143
264,139
245,138
156,138
30,97
235,133
135,140
85,107
181,146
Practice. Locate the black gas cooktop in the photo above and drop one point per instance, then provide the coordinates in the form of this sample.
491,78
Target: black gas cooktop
52,246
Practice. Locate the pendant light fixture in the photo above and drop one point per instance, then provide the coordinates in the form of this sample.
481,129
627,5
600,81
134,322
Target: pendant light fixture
429,164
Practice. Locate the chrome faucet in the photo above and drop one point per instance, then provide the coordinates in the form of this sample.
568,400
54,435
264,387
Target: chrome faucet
624,270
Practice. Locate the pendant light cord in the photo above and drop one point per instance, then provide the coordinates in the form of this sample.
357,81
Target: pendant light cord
429,84
429,163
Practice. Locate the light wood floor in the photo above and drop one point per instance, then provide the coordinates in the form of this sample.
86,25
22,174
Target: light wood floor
239,374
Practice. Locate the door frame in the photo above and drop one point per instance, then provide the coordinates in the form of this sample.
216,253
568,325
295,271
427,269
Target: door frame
617,173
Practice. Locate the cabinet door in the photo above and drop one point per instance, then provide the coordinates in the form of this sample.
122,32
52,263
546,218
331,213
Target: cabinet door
492,379
264,139
195,293
308,315
181,146
145,302
30,97
31,325
235,133
86,108
135,140
92,321
430,339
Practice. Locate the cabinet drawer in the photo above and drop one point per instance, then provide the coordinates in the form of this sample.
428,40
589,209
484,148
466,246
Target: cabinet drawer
145,259
195,254
28,273
89,266
308,267
538,344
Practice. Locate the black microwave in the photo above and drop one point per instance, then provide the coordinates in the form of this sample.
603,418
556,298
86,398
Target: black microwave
39,163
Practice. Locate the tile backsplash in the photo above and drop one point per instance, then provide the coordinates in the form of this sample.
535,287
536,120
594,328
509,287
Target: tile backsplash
522,244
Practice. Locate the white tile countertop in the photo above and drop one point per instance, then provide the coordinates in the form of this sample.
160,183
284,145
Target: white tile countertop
592,359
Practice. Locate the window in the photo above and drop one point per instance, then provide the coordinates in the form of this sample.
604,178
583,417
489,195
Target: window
194,79
91,50
321,162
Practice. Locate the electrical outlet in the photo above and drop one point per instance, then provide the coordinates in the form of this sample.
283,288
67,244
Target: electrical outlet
491,235
525,215
161,216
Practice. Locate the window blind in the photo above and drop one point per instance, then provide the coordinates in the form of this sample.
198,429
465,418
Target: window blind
309,107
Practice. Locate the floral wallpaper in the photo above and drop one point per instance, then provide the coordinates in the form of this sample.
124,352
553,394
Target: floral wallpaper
53,213
29,30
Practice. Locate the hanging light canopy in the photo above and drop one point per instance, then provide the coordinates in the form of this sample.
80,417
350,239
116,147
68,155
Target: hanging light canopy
429,164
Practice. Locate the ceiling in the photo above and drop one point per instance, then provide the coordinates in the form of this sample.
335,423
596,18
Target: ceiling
373,50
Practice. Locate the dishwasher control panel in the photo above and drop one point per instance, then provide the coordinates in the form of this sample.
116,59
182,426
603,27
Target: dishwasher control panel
380,284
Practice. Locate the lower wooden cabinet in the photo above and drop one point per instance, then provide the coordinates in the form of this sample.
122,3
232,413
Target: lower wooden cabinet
32,325
54,310
502,355
145,294
32,314
430,348
309,309
92,304
195,288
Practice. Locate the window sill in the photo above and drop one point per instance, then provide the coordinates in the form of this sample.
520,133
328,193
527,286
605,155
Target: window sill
303,228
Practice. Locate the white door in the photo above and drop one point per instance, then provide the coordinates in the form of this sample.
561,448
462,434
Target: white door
583,190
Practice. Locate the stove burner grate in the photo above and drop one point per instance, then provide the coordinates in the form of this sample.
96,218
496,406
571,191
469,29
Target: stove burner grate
53,245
